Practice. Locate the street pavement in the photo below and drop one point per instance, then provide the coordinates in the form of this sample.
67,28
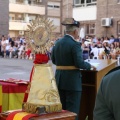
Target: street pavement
16,68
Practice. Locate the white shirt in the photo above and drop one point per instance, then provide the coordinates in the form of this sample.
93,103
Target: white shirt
8,47
7,41
106,41
95,51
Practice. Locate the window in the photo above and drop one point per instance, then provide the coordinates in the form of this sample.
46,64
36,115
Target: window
81,3
56,21
11,17
53,5
50,6
77,2
90,29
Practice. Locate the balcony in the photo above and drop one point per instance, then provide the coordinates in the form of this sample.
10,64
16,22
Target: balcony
20,25
85,13
85,4
17,25
26,8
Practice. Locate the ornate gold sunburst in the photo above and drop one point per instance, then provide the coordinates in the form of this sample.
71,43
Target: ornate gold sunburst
39,34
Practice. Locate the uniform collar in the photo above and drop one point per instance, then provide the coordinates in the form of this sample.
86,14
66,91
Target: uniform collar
71,36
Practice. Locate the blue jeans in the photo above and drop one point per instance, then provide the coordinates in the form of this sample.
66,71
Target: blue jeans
85,56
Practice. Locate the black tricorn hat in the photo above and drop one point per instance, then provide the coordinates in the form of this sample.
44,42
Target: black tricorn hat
71,21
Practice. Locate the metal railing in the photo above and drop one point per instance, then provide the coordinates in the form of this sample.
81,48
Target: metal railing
21,21
85,4
31,4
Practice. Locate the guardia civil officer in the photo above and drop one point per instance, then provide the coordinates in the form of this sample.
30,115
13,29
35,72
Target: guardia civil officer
67,56
107,104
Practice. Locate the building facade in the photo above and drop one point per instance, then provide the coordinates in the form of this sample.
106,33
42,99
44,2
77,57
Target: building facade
4,17
18,13
98,17
21,12
85,11
108,9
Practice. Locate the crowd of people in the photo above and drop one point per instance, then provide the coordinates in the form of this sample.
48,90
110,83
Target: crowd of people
16,47
101,48
93,48
13,47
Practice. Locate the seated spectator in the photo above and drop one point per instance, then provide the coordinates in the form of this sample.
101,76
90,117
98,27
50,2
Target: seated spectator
117,47
8,49
21,48
11,51
106,40
16,51
113,51
95,40
23,54
116,40
85,51
106,49
95,51
111,39
101,51
27,52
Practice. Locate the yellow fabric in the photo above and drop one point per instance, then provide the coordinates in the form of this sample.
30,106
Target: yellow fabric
0,95
43,90
20,115
18,97
5,103
8,99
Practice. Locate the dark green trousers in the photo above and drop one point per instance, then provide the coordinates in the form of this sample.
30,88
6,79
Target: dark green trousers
70,100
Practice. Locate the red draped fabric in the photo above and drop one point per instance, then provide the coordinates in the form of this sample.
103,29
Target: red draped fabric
41,58
9,92
19,115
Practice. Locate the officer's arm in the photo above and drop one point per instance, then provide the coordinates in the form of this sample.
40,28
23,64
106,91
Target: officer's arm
101,110
78,58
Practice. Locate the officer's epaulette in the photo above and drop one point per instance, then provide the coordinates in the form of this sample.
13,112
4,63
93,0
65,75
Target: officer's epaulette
114,69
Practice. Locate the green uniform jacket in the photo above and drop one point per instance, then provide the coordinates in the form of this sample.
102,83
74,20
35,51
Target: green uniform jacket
107,105
68,52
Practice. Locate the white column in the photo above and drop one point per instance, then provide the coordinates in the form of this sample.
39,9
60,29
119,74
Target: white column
12,1
85,3
26,1
26,17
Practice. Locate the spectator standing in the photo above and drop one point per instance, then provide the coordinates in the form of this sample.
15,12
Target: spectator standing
95,52
3,46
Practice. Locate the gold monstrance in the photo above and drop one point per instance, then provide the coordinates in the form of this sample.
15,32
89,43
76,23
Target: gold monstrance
43,95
